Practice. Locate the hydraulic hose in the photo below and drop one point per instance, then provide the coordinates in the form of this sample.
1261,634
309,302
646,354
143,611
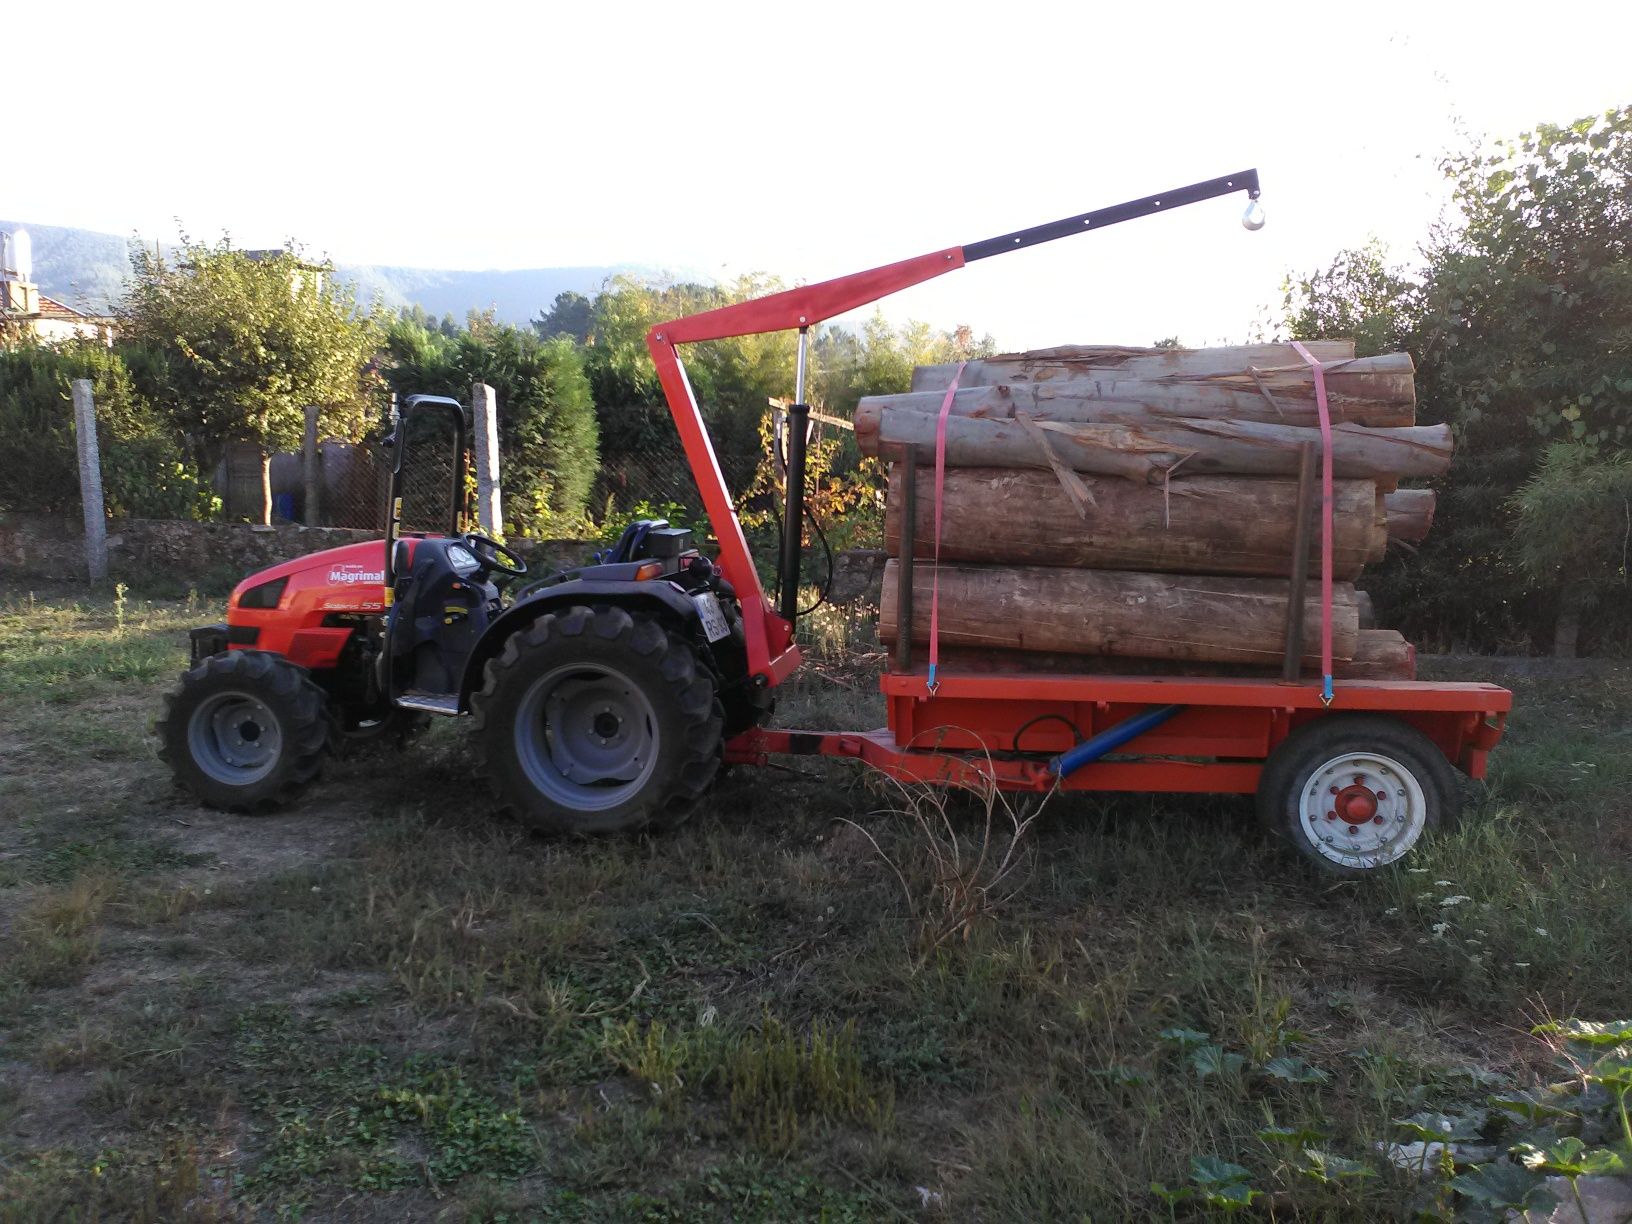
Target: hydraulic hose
1110,739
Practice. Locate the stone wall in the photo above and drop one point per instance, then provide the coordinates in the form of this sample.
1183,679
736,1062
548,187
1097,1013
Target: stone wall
153,553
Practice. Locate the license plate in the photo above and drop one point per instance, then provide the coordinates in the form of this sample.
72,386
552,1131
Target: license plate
715,626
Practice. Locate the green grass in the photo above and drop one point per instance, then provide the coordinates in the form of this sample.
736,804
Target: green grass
389,999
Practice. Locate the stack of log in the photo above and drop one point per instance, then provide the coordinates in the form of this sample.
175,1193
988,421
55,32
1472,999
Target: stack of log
1127,510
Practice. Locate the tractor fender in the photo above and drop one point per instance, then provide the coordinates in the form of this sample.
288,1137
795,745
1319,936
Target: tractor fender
656,597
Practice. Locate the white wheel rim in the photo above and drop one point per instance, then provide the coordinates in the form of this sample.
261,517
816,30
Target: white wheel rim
1347,828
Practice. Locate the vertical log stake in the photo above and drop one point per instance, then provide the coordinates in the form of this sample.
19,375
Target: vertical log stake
909,545
1292,665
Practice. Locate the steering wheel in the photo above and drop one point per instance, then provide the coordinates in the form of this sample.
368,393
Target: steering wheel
494,555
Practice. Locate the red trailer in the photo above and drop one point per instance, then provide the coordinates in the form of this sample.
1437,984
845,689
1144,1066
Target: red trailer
1352,772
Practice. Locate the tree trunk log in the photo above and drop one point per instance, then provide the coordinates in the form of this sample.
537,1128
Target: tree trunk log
1069,361
1371,396
1380,654
1146,451
1410,513
1110,612
1209,525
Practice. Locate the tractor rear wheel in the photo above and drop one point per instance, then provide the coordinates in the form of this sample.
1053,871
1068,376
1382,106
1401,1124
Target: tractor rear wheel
245,731
598,721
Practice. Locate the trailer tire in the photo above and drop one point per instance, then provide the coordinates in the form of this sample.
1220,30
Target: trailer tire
598,720
1355,793
245,731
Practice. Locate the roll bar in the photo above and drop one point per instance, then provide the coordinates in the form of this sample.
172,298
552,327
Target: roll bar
398,442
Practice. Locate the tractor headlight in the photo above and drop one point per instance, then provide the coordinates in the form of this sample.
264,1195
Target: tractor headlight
264,596
464,561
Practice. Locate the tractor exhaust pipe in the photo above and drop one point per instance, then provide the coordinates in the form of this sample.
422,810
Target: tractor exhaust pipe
793,515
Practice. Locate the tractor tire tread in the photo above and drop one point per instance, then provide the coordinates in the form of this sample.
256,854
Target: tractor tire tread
305,717
690,687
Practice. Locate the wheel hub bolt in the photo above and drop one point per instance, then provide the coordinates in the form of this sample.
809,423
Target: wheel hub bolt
1353,829
1331,815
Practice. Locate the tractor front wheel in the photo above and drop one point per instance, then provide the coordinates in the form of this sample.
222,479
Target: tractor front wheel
598,721
245,731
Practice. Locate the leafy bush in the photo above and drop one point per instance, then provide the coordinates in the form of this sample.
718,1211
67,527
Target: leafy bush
549,442
144,470
1517,320
1575,517
235,346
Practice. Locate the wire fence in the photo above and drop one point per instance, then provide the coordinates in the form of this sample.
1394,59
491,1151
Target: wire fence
355,480
650,477
657,479
653,480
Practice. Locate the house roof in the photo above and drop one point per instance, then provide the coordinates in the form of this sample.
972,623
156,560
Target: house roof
50,308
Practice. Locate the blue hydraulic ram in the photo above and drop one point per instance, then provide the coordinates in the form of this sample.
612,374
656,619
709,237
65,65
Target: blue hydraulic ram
1110,739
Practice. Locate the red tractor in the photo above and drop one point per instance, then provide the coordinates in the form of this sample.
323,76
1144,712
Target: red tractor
603,693
607,697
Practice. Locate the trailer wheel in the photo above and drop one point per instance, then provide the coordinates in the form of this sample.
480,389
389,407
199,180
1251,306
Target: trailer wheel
245,731
1355,793
598,721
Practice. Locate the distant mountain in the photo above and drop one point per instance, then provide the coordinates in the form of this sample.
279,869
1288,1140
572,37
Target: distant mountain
88,270
83,268
518,296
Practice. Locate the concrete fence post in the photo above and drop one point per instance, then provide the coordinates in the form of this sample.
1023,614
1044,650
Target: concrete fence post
314,479
484,404
90,481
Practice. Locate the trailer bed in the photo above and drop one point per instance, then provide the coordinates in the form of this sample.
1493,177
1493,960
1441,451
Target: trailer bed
1005,728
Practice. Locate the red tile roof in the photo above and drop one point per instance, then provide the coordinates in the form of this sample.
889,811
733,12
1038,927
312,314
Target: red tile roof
50,308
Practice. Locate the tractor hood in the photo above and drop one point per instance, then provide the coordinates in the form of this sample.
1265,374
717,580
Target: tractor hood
346,579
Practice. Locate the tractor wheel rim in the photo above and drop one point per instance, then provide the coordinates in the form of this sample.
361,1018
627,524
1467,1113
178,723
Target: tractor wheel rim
1363,810
234,738
586,736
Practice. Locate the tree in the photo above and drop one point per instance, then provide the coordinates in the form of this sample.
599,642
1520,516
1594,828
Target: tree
447,325
1359,296
1526,334
1574,530
1520,323
733,380
548,437
242,344
572,316
881,359
143,468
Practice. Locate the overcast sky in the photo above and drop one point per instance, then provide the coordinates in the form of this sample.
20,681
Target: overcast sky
806,140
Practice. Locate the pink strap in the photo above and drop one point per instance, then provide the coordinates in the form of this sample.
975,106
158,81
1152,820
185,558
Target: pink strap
1319,372
940,481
